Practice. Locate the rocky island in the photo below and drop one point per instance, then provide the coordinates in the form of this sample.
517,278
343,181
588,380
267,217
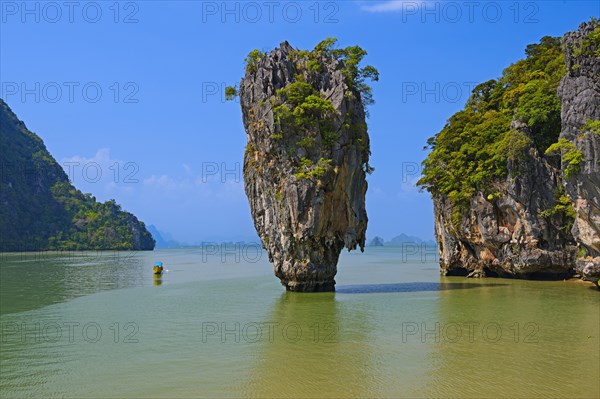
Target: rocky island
40,210
515,175
307,157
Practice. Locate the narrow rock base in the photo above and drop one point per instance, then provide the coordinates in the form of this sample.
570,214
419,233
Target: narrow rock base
312,286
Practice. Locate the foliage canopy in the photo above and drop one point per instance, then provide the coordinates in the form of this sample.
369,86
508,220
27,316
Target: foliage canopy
477,144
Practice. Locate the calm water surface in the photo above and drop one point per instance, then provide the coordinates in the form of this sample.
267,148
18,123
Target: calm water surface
100,325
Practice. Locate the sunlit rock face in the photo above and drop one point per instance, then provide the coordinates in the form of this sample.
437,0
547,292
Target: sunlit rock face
507,236
579,93
306,189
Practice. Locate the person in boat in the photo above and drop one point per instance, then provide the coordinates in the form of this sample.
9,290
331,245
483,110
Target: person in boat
158,268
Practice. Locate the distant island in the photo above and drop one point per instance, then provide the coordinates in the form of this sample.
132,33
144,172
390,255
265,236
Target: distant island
375,242
40,209
399,241
163,240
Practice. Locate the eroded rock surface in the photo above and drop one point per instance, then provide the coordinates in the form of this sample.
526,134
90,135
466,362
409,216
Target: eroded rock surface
506,235
306,187
579,93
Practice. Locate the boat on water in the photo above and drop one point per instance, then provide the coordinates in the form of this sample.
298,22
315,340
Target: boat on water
158,268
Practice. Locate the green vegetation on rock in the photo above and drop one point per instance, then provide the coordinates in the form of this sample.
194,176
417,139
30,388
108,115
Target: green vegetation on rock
252,59
590,46
563,207
304,111
303,117
591,125
308,170
479,144
231,92
351,57
571,156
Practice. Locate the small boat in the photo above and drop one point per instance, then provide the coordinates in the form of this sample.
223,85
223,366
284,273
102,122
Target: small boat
158,268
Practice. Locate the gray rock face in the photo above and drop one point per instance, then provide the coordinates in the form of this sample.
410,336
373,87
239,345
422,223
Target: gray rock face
506,236
579,92
304,221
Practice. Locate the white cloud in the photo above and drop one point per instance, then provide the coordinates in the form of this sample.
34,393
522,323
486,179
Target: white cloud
102,175
99,170
195,187
408,187
376,192
102,157
106,177
165,182
386,6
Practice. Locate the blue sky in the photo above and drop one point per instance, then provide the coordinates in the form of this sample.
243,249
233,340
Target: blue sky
128,97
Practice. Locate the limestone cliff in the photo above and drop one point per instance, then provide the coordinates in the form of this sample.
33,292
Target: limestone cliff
579,93
530,208
306,160
505,235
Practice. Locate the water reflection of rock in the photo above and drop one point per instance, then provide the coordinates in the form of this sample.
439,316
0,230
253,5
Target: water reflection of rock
331,357
522,339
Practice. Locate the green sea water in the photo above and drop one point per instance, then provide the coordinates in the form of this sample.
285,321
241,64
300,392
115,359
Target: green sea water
100,325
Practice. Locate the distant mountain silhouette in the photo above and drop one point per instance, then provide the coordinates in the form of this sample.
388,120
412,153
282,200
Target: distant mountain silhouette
376,242
400,240
406,239
163,240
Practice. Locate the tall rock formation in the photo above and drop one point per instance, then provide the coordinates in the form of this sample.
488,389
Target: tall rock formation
536,211
579,93
306,159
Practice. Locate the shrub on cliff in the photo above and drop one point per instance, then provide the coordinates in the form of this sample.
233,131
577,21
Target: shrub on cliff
302,115
476,145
